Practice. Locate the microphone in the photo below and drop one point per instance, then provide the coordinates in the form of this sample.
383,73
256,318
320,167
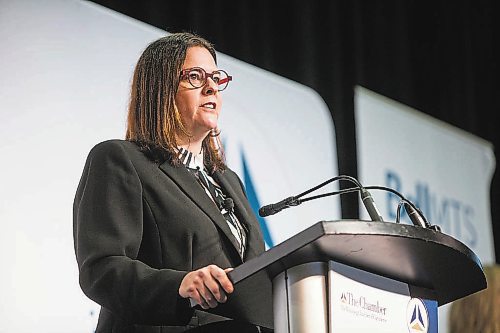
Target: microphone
279,206
414,213
366,197
294,200
228,204
370,206
415,216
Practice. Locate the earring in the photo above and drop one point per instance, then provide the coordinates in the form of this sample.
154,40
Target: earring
215,132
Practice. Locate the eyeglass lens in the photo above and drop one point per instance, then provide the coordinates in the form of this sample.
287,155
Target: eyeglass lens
197,78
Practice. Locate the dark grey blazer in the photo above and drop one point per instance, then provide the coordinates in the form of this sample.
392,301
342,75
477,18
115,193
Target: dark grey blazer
139,227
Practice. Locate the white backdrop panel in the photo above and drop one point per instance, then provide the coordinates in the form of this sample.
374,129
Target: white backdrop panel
445,171
66,68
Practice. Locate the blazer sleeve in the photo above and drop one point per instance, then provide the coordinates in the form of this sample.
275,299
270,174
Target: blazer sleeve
107,229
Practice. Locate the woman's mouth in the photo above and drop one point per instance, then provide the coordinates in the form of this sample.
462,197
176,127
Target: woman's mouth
209,105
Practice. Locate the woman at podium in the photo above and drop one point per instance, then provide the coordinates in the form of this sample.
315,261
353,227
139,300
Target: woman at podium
159,219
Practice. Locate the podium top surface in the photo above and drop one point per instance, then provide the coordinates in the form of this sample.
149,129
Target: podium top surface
420,257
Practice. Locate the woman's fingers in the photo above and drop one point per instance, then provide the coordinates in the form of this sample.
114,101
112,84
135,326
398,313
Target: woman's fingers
207,286
220,275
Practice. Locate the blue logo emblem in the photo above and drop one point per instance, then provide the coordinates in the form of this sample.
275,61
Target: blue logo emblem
417,317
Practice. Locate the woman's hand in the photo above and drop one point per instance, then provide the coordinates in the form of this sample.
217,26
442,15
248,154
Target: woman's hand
207,286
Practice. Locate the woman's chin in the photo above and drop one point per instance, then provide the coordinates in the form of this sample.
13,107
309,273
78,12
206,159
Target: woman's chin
209,126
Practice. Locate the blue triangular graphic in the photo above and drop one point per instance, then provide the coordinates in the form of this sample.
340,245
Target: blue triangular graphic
414,315
417,314
254,201
420,317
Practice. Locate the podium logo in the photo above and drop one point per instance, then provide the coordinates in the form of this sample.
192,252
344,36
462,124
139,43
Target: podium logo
417,317
362,302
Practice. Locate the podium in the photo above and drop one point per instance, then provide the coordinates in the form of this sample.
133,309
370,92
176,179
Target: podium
417,267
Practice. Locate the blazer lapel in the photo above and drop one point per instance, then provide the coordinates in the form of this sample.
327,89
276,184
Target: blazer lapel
188,183
244,212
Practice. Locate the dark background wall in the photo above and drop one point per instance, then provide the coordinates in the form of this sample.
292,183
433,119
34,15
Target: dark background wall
439,57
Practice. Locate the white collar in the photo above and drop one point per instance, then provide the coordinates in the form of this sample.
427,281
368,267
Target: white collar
191,160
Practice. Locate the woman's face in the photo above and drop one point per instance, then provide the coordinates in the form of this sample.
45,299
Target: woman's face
199,107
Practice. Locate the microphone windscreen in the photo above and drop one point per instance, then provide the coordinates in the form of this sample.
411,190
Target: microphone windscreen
228,204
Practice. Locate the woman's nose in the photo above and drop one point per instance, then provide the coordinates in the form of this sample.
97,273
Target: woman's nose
210,87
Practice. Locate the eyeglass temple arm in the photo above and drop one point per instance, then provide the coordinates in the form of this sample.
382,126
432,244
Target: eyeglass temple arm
227,79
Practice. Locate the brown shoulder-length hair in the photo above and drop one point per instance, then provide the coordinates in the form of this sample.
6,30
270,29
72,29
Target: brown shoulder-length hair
153,118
